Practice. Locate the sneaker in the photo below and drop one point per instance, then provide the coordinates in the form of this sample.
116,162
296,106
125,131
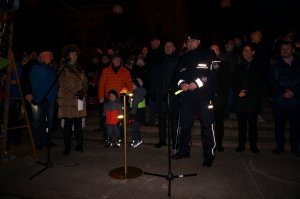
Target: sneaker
108,143
119,140
136,143
117,144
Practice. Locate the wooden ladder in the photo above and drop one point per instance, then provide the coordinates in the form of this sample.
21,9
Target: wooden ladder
12,68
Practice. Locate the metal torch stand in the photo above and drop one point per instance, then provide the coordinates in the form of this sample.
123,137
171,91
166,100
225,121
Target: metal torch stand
125,172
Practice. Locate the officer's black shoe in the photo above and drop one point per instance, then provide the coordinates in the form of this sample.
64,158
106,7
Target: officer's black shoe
240,149
180,155
277,151
220,149
208,161
255,150
160,144
296,153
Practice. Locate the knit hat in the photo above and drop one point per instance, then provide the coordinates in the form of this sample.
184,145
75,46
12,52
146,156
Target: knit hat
44,48
69,48
113,92
116,54
137,82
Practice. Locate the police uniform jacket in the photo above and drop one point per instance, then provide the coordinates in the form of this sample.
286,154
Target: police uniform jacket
199,66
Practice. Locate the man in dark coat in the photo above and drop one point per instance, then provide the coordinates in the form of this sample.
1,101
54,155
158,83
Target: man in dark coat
161,82
284,85
248,80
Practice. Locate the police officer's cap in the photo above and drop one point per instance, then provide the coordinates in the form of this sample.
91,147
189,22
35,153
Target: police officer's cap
193,35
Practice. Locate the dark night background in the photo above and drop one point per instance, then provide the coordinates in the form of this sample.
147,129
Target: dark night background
91,22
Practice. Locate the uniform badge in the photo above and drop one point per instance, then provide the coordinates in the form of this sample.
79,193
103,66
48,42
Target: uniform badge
215,65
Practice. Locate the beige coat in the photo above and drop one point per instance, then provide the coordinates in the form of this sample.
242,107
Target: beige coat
71,80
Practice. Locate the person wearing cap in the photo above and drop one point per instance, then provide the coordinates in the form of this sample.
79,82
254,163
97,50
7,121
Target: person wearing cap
72,97
197,79
114,77
41,89
284,86
111,110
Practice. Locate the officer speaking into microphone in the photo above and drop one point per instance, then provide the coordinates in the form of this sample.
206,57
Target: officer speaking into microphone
197,79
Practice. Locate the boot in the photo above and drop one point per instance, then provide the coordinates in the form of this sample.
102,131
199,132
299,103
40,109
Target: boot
79,135
67,140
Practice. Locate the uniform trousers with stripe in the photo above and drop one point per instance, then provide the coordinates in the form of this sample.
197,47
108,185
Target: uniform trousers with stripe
206,117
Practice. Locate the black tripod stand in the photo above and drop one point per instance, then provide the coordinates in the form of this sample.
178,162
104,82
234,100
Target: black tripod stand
49,164
170,176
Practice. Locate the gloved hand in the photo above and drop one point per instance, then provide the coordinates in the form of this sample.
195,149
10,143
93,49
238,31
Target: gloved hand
79,95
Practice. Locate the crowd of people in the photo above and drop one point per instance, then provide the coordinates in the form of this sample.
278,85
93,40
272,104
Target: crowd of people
170,86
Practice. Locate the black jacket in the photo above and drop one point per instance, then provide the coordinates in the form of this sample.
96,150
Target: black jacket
252,80
282,76
163,75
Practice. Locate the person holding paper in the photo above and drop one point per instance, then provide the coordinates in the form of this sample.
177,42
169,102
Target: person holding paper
72,96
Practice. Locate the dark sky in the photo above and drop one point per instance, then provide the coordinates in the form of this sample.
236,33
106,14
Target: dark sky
272,16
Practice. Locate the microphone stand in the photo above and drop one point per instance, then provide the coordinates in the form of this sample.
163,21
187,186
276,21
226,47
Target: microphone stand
170,176
49,164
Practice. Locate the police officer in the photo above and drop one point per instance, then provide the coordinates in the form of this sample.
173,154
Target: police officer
197,79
